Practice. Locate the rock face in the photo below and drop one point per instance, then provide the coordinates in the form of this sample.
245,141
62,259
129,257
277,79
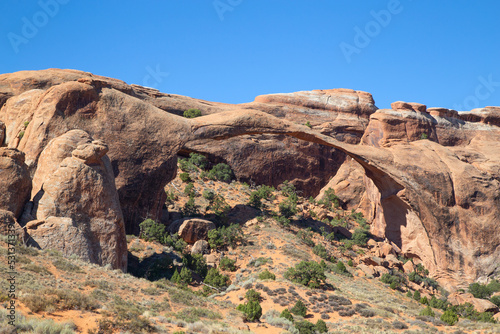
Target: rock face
192,229
15,181
75,203
431,177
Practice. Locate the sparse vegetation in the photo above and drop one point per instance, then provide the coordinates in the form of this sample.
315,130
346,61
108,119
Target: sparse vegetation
266,274
192,113
310,274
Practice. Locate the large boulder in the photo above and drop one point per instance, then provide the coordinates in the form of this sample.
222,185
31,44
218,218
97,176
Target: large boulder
15,181
75,202
192,229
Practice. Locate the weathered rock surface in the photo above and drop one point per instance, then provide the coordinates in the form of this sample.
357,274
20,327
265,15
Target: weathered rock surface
15,182
438,199
481,305
192,229
200,247
75,203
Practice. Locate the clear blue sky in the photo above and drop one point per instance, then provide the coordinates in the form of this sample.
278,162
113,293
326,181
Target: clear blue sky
440,53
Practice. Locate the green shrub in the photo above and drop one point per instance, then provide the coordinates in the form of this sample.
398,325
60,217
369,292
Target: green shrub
66,266
189,190
424,301
360,237
252,295
320,250
305,327
190,209
227,264
350,263
209,195
221,172
225,236
20,135
330,200
306,237
310,274
321,326
340,268
428,312
409,294
255,200
196,263
438,303
495,300
185,177
216,279
484,291
414,277
198,160
252,310
266,274
395,278
286,314
299,308
219,206
287,189
417,296
192,113
152,231
308,124
288,207
449,317
184,277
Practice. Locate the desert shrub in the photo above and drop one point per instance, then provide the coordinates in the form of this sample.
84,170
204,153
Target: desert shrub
196,263
227,264
438,303
37,269
255,200
416,295
350,263
399,325
174,241
424,301
221,172
320,250
152,231
288,207
185,177
305,327
321,326
189,190
409,294
286,314
251,309
219,206
449,317
394,278
209,195
216,279
287,189
225,236
190,209
266,274
184,277
484,291
367,313
414,277
50,300
310,274
306,237
192,113
360,237
193,314
198,160
252,295
299,308
330,200
340,269
495,300
427,312
66,266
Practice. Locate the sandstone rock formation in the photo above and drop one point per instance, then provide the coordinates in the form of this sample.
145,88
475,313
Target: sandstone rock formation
437,199
75,206
192,229
15,182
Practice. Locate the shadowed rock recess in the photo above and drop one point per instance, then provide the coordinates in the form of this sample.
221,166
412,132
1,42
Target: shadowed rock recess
96,153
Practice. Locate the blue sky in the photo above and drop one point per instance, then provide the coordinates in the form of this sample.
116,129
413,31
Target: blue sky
440,53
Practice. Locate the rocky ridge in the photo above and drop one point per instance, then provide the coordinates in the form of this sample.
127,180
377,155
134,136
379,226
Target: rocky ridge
427,179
